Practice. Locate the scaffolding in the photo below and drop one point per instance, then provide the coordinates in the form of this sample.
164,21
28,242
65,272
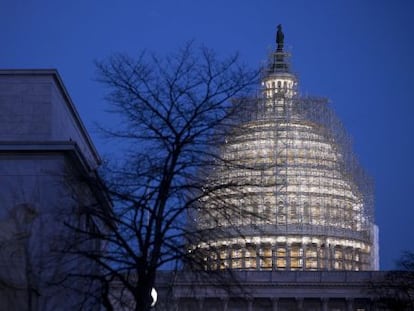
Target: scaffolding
291,193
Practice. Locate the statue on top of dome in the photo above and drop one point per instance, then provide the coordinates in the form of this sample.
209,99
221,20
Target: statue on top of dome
280,38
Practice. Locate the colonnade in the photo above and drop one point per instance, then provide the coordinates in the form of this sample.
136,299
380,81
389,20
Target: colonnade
286,256
277,304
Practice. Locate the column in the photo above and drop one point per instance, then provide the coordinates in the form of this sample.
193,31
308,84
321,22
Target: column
331,259
258,257
288,249
250,304
208,262
349,304
200,302
218,250
325,304
225,302
299,304
274,257
230,256
342,251
243,259
175,304
372,304
327,256
353,259
275,304
303,256
318,257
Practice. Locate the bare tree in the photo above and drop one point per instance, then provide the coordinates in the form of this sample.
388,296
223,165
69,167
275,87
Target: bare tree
395,291
19,281
174,111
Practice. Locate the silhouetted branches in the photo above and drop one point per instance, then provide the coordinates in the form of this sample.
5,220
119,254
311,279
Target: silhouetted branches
396,290
174,113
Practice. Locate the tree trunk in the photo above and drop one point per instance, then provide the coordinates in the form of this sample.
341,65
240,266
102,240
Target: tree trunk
143,295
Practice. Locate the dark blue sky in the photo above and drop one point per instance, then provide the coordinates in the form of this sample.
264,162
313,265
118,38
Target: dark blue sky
360,54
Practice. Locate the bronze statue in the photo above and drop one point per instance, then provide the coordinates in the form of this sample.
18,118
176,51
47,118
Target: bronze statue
280,37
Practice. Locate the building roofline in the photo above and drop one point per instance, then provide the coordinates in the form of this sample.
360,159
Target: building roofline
59,82
42,147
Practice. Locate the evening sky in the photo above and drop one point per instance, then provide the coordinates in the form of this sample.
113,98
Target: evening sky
358,53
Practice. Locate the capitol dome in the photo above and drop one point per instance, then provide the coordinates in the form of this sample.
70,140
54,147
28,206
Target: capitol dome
299,200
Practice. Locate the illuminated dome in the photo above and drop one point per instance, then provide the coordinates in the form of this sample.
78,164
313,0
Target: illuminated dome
298,199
